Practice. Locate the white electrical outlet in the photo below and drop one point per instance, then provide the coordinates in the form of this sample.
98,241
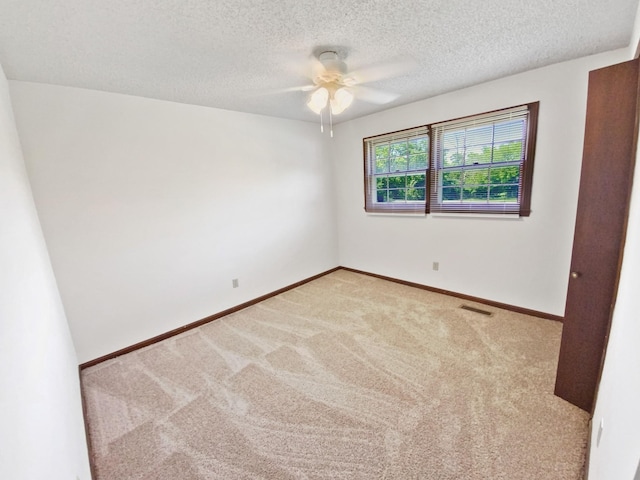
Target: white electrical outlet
235,283
436,266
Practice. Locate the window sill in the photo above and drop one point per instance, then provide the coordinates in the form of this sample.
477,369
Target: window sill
494,216
395,214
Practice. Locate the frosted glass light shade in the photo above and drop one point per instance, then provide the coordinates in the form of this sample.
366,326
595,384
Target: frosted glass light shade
318,100
341,100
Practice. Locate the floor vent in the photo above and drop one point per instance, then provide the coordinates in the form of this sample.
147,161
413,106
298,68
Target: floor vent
476,310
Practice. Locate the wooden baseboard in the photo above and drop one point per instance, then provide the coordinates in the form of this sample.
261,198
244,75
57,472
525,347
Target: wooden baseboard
242,306
587,456
198,323
504,306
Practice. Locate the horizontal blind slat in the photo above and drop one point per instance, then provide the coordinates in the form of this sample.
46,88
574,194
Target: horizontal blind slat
473,150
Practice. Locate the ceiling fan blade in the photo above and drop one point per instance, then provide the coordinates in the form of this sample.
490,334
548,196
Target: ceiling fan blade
380,71
278,91
371,95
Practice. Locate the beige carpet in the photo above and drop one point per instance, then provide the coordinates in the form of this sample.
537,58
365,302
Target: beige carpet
346,377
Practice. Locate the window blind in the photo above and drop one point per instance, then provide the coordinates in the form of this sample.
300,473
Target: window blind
480,163
396,166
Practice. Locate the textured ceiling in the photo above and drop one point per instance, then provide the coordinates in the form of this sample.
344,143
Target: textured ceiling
236,54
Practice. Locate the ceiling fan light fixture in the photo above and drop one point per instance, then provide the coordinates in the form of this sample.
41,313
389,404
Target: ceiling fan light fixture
318,100
340,101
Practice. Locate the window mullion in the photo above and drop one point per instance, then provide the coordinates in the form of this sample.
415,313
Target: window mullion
492,153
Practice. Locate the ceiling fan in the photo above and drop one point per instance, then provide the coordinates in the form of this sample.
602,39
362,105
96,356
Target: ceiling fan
334,88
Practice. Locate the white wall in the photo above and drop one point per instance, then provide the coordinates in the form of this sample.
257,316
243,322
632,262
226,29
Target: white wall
151,208
41,426
635,36
615,451
128,191
522,262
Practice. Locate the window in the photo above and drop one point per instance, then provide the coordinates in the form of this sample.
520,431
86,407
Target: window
396,166
480,164
484,163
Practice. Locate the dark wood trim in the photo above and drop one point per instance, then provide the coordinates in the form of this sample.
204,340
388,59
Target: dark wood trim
527,174
627,206
524,209
370,205
242,306
611,130
198,323
504,306
365,176
526,171
87,434
587,456
430,173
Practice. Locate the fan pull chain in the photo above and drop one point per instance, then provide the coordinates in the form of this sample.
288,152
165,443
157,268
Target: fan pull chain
321,123
331,121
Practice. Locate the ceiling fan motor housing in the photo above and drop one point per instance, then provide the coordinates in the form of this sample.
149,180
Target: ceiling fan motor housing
334,68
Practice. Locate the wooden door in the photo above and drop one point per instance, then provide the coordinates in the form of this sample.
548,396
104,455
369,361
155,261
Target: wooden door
603,204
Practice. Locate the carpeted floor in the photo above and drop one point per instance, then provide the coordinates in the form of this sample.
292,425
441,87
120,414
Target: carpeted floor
346,377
